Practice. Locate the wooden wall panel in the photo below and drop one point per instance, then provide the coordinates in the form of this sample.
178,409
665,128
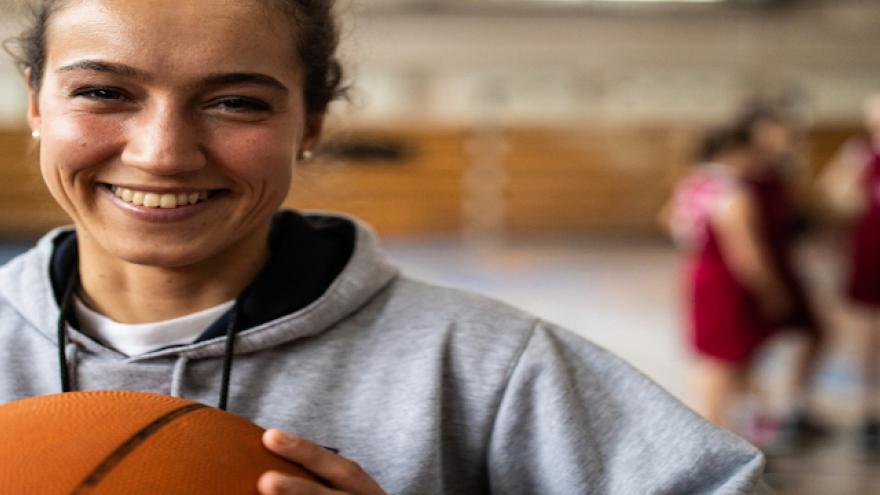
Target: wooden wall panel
576,178
592,178
823,143
419,194
26,207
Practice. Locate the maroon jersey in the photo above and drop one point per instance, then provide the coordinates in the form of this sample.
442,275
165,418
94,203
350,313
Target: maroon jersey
864,272
781,223
726,320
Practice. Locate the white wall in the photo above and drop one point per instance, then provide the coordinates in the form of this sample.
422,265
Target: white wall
590,66
615,66
12,95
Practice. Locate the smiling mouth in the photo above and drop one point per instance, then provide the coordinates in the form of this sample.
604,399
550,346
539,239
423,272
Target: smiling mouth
149,199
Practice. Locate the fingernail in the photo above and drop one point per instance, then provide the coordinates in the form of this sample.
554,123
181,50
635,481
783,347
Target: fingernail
275,480
283,437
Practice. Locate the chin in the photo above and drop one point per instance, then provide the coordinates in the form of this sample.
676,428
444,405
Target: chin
164,256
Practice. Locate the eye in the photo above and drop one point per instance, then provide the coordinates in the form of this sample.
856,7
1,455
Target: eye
101,94
242,105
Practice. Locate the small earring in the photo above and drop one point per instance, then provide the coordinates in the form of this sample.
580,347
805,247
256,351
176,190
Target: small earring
307,154
35,134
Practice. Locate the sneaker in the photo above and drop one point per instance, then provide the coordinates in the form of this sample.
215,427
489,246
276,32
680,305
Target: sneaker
869,437
761,430
798,431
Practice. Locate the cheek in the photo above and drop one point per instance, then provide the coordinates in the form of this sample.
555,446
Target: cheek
262,157
780,140
73,143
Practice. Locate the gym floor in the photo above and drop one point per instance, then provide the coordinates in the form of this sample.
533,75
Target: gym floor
623,293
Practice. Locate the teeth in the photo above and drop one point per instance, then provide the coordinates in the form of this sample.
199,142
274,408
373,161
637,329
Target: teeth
155,200
168,201
151,200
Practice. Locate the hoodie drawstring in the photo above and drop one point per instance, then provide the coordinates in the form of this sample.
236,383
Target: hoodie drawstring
179,367
228,355
72,354
177,375
66,303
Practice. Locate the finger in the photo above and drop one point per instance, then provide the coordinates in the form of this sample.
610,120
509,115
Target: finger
275,483
336,470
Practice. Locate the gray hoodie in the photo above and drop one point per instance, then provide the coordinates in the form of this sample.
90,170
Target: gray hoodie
431,390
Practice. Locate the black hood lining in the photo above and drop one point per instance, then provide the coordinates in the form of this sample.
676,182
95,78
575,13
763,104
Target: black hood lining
306,254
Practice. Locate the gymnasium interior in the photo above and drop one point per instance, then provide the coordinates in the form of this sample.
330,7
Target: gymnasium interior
524,148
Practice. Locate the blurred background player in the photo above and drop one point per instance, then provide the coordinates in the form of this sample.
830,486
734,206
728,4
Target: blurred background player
851,183
724,316
734,218
772,138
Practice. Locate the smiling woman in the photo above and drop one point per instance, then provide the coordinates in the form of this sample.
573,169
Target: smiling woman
168,131
124,109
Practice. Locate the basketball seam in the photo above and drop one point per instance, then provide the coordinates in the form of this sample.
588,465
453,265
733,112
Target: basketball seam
114,458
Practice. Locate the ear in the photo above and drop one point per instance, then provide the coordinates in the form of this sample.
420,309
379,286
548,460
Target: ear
33,111
314,128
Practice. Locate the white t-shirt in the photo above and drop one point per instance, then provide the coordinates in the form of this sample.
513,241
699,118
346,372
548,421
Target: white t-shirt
133,339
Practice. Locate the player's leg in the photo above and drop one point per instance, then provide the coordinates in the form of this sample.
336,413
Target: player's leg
870,431
718,385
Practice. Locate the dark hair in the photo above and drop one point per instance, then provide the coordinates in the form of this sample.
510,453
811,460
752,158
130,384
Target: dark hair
722,140
313,21
757,114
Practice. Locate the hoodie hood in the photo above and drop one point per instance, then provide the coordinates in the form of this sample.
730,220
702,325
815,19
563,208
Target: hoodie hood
274,310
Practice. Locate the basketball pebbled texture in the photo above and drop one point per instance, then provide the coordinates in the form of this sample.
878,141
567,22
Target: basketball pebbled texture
122,442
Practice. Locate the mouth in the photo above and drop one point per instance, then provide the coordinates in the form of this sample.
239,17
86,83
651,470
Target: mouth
162,200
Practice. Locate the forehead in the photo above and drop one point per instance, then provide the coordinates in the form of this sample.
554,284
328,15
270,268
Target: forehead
176,37
771,127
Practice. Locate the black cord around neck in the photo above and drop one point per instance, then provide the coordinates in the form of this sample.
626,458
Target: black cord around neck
228,356
63,318
66,303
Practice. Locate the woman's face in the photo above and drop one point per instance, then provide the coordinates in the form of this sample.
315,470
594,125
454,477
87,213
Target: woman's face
773,142
169,128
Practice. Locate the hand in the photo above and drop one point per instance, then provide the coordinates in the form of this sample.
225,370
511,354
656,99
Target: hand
342,475
776,305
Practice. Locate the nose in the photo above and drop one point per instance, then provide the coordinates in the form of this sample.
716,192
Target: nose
163,140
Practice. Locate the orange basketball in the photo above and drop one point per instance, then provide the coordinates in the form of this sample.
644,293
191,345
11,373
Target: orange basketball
119,442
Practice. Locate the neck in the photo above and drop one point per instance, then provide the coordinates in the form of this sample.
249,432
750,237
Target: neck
729,166
132,293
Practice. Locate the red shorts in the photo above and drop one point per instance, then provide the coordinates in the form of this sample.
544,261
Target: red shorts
864,271
727,323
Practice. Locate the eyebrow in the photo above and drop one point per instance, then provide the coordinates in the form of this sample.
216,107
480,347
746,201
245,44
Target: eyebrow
223,79
244,78
98,66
